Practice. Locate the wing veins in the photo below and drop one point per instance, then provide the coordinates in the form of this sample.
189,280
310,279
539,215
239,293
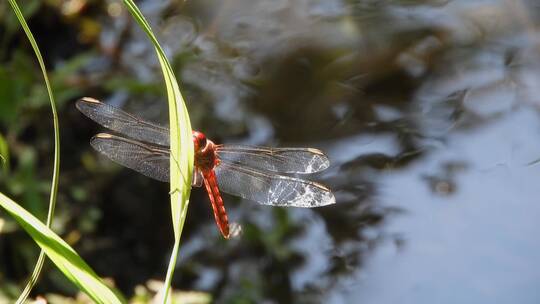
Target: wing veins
280,177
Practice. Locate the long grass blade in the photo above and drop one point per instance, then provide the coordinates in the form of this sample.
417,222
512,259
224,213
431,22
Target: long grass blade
56,166
181,146
61,254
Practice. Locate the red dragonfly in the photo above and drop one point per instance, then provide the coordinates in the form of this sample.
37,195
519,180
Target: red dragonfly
248,172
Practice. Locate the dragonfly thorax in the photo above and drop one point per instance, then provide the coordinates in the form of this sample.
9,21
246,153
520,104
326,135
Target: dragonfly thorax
205,152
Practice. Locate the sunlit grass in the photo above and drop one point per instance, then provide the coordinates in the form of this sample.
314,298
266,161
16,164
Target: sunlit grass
61,254
181,166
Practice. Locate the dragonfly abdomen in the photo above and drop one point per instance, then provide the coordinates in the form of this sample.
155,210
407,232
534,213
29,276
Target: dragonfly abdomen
218,207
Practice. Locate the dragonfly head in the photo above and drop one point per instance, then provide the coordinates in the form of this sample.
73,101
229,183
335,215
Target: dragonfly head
199,141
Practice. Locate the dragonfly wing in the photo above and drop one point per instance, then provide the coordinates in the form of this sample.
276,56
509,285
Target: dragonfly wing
146,159
284,160
149,160
271,189
119,121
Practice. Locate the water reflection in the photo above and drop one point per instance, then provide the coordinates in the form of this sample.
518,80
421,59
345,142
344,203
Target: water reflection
477,238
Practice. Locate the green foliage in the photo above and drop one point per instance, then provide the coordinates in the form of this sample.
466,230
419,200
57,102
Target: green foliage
56,168
11,23
61,254
65,258
15,79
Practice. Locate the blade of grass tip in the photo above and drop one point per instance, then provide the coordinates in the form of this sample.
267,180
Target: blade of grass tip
62,255
56,166
181,146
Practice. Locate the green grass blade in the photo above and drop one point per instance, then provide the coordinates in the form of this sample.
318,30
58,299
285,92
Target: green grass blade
4,155
181,146
56,166
61,254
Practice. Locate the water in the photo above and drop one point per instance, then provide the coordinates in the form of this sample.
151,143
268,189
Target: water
472,244
428,111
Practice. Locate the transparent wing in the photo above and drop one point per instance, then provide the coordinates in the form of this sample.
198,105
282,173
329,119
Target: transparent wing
271,189
146,159
284,160
152,161
119,121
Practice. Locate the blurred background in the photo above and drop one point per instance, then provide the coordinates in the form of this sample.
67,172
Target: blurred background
428,110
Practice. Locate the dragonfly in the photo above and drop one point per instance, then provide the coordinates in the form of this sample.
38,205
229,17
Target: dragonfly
254,173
